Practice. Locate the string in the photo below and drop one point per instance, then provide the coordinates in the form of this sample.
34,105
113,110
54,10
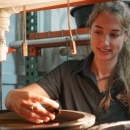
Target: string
72,42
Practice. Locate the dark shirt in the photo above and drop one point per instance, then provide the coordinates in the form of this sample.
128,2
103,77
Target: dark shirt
75,86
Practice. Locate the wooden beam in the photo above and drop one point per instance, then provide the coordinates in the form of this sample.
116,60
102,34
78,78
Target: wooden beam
62,33
63,3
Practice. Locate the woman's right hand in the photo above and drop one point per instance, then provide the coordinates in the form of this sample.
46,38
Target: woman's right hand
22,102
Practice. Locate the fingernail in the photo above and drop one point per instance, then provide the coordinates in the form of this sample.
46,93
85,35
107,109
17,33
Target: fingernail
53,117
41,121
47,120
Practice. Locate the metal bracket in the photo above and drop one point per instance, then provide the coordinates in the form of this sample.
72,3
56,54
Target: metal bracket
34,51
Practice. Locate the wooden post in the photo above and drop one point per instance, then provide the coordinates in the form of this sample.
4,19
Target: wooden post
0,85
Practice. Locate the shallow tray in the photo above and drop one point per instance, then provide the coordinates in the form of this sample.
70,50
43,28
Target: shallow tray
67,120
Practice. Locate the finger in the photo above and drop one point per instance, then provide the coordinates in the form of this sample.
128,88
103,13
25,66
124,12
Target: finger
40,111
33,98
32,116
44,100
43,111
28,115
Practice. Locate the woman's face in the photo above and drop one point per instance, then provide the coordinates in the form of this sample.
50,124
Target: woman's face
107,36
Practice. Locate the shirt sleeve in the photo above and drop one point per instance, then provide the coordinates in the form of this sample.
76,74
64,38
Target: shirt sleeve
57,80
51,83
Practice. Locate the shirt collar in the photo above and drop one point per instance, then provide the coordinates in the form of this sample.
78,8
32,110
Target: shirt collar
85,65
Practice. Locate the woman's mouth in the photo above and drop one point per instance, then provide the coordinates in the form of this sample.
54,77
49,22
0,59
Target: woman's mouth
104,50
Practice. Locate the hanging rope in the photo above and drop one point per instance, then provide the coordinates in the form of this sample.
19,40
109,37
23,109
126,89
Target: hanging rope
72,42
24,44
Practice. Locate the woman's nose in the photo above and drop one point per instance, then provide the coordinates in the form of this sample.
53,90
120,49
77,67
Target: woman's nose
106,40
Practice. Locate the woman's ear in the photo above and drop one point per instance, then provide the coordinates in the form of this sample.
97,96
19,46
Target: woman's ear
126,36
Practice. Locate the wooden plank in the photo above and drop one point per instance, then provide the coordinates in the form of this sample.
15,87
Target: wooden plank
63,3
61,33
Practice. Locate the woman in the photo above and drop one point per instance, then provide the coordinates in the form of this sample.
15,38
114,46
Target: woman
98,84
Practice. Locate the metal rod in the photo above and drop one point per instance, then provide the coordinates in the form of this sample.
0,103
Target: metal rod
54,40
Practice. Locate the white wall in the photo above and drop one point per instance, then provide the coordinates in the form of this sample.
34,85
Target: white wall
12,68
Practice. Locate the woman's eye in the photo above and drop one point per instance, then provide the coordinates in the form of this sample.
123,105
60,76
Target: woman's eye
97,32
114,35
